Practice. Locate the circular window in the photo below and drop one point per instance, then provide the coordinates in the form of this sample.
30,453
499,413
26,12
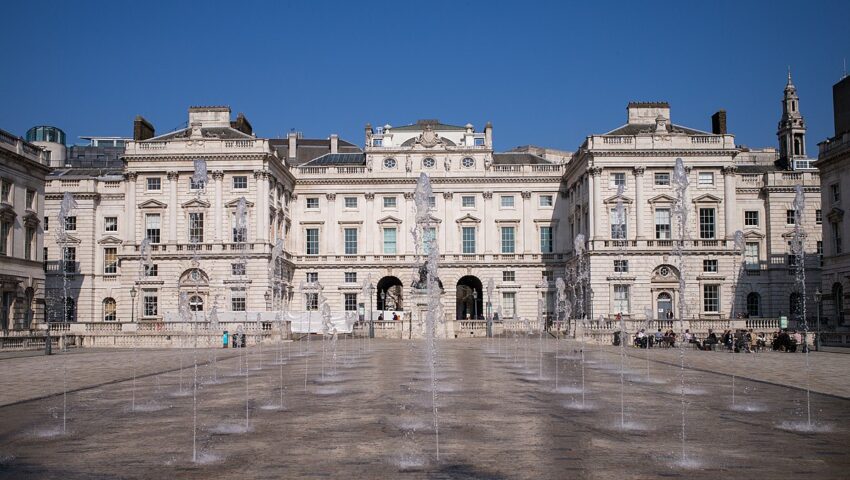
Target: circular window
664,271
468,162
389,163
429,162
195,275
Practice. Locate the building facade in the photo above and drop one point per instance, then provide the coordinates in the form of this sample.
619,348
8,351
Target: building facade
23,167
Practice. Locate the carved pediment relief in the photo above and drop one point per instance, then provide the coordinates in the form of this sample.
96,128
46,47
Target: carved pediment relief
614,199
109,240
663,198
389,219
235,203
152,203
68,239
195,203
433,219
468,218
753,234
707,198
31,219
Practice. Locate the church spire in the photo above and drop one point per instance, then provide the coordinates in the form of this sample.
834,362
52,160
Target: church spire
792,127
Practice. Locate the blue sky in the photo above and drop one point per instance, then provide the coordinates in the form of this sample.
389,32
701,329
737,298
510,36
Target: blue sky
545,73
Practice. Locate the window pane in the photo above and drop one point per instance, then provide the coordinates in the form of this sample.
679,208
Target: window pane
390,241
468,239
662,223
706,223
351,241
546,239
508,240
312,235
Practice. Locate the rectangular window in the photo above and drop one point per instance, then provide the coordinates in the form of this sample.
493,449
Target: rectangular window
71,224
311,301
110,224
467,201
196,184
508,276
545,239
31,200
751,255
46,223
377,142
237,300
69,259
836,192
621,298
110,261
5,232
350,277
548,275
621,266
789,217
432,202
350,302
546,201
468,239
154,184
240,182
618,179
429,239
662,179
312,203
390,241
509,304
836,237
709,266
706,223
389,202
507,201
711,298
751,218
350,237
508,240
6,191
618,224
706,179
29,243
820,251
819,216
239,229
479,142
196,227
350,202
151,304
237,269
312,237
151,270
312,277
792,256
662,223
152,227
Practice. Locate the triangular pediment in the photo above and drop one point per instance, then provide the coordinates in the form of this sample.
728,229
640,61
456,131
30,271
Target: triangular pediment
835,215
433,219
152,203
235,203
468,218
663,198
750,234
707,198
196,203
109,240
389,219
68,239
615,198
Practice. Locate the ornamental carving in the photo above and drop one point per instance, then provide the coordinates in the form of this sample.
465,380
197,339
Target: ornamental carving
173,175
408,195
217,174
729,170
429,138
448,195
330,196
639,170
594,171
526,194
131,176
487,195
369,196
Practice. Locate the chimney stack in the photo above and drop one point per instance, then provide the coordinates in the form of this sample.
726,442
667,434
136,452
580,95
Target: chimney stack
488,135
142,129
242,124
718,123
334,143
293,144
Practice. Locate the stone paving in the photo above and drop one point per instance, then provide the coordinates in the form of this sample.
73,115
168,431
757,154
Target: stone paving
370,415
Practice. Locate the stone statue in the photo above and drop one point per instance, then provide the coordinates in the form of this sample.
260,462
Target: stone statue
447,163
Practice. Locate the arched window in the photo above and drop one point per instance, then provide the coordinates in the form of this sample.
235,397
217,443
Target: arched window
753,304
196,303
109,310
838,301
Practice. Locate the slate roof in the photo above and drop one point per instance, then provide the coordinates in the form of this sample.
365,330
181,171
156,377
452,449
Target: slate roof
637,128
758,168
333,159
76,172
308,149
420,125
524,158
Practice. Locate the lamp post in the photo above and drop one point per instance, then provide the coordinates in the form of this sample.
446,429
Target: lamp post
267,296
133,304
371,312
818,299
384,304
489,318
475,304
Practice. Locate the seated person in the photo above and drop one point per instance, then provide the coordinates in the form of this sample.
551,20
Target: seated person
710,341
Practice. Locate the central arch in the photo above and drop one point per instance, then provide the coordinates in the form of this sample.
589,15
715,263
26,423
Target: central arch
470,298
391,289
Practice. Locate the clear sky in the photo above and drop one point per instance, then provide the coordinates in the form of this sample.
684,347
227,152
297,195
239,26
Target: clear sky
545,73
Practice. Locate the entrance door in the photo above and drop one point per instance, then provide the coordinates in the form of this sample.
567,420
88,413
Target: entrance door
664,304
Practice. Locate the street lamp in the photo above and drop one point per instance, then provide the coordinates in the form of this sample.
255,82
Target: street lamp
132,304
384,304
818,299
475,303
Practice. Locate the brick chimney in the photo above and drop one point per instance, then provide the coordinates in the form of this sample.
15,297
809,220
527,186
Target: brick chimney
242,124
718,123
142,129
334,143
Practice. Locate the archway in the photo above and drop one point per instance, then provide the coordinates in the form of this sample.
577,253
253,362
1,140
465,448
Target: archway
753,304
109,310
390,294
838,302
469,298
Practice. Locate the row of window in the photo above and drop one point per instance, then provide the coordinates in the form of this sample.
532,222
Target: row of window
390,240
6,229
662,179
351,277
6,195
621,300
467,201
154,184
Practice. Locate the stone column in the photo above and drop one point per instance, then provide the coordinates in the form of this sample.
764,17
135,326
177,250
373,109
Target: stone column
594,195
450,245
261,207
130,208
408,217
173,178
526,224
218,204
331,234
639,203
729,200
487,226
369,228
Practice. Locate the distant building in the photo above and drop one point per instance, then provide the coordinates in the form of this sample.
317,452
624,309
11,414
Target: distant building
834,164
23,167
